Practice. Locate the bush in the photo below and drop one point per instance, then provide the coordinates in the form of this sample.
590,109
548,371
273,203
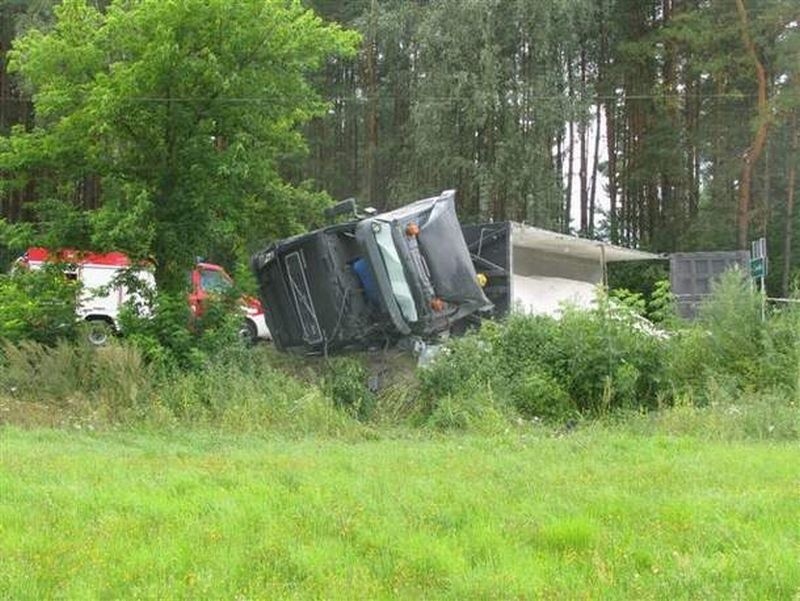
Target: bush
476,411
38,305
730,342
729,371
171,337
538,395
345,383
465,363
732,316
780,356
588,362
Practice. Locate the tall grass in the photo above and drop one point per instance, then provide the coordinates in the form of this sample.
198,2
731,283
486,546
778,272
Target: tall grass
730,370
591,363
113,386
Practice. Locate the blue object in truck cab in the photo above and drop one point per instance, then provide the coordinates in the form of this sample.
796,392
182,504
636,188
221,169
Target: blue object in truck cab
364,273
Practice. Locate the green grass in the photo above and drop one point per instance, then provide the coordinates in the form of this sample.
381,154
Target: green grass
594,514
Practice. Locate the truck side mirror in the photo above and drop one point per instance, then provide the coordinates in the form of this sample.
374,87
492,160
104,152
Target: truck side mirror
345,207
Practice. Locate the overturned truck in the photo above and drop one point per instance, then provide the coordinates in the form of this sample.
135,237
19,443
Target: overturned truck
374,280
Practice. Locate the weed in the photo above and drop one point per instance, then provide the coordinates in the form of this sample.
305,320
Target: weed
345,382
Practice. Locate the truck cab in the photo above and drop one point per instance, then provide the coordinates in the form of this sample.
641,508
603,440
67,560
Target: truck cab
371,281
209,279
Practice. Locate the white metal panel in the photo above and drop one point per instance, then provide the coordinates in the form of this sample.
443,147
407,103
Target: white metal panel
545,295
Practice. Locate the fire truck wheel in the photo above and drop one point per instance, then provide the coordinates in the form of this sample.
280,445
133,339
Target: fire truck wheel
248,332
98,332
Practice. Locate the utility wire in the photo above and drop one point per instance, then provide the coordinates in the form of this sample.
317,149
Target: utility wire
262,99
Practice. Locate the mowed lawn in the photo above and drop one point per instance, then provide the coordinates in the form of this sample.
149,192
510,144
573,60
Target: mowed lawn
593,514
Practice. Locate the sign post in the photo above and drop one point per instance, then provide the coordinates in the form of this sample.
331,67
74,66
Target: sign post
758,270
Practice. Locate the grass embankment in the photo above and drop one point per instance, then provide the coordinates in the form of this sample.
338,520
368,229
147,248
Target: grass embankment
590,514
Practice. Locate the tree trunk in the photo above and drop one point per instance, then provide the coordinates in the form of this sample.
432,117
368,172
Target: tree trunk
611,143
372,111
559,161
582,133
789,222
570,149
595,163
753,153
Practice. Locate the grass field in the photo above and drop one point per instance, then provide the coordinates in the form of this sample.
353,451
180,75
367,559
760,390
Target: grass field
593,514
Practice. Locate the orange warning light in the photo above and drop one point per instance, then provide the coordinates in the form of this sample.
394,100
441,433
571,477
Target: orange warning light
412,229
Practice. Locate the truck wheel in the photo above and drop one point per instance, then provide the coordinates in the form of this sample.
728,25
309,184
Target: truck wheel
248,332
98,332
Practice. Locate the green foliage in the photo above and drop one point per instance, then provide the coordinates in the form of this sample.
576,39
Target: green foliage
243,392
177,111
537,394
37,305
634,301
237,390
181,111
728,343
610,359
463,363
113,380
587,362
345,382
458,388
662,308
654,301
474,410
170,336
730,371
725,416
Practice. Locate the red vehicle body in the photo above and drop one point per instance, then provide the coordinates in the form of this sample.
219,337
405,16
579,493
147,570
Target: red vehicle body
102,297
207,279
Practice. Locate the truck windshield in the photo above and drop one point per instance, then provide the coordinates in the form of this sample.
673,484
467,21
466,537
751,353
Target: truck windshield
394,268
214,281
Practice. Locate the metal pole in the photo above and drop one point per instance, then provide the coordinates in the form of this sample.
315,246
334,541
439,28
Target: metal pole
604,266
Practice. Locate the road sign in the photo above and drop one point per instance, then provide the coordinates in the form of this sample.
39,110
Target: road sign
758,267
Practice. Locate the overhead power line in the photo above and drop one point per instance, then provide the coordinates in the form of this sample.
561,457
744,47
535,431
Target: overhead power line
425,98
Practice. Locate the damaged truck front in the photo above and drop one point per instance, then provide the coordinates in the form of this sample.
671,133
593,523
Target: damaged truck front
372,281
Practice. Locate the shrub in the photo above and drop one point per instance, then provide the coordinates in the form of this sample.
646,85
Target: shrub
345,383
732,316
588,361
462,364
538,395
730,342
38,305
171,337
780,357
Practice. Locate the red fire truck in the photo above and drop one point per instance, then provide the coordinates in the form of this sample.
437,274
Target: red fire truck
103,294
